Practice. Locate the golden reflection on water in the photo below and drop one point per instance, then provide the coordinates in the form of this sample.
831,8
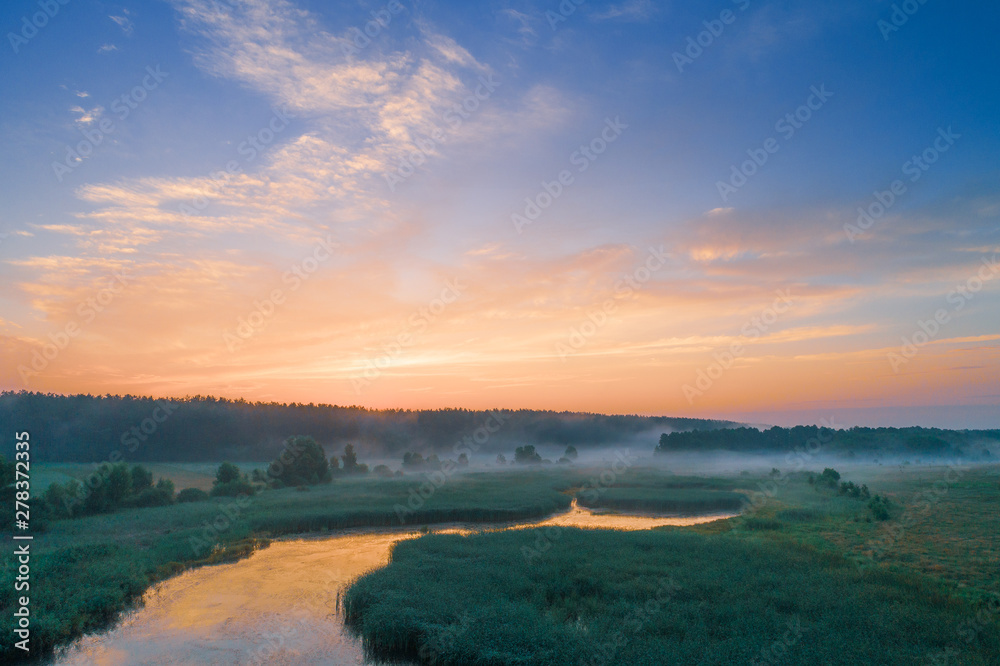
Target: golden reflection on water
278,606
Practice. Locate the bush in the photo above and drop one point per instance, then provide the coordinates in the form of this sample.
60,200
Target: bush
879,507
152,497
829,478
240,486
383,471
192,495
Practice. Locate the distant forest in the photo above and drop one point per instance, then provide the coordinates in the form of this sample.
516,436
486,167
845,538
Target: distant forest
869,442
85,428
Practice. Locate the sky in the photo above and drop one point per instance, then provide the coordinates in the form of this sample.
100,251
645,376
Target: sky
780,212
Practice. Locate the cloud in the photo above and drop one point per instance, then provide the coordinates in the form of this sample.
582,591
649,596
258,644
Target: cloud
107,48
87,117
633,10
124,22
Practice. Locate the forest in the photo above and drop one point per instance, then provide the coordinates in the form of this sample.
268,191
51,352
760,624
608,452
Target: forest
87,428
848,442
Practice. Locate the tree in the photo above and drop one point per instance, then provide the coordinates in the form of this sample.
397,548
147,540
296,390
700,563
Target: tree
463,460
526,455
303,462
227,473
413,460
501,459
571,453
350,459
166,486
142,478
119,483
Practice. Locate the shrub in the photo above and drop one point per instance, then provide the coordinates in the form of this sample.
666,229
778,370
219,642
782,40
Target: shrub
762,524
192,495
879,507
240,486
152,497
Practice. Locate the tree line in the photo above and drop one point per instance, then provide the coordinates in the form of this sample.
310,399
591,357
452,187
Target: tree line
915,441
113,428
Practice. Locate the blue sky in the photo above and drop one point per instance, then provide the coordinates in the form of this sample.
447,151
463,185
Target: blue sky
356,110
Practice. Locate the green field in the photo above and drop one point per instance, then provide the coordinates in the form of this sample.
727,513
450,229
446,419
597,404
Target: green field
807,576
184,475
87,570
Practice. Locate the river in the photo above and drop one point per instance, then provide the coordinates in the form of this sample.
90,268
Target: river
279,606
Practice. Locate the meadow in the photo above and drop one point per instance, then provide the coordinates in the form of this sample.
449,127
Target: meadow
86,571
805,576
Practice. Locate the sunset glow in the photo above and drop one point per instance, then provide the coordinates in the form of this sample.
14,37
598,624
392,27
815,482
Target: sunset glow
458,205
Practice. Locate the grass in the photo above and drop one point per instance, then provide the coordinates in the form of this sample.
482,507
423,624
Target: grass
184,475
665,500
656,597
803,556
86,571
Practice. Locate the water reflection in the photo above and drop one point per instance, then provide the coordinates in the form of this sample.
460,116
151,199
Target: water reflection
279,605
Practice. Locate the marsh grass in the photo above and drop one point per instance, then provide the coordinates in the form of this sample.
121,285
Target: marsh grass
86,571
586,603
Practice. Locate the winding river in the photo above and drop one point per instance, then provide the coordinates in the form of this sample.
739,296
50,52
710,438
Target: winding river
279,606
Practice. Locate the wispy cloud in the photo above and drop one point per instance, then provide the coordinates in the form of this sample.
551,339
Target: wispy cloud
124,22
633,10
87,116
